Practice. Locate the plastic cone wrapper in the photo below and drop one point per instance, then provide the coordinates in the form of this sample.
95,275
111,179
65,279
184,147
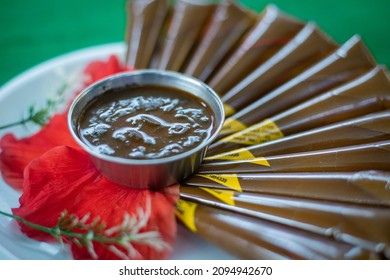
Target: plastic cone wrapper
272,31
309,46
144,21
349,158
161,39
188,19
362,187
355,226
365,129
255,238
346,63
228,24
367,94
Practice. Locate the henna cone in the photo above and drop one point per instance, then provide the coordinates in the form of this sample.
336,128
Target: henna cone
368,128
363,187
188,20
367,94
227,25
272,31
350,158
254,238
309,46
363,226
346,63
144,21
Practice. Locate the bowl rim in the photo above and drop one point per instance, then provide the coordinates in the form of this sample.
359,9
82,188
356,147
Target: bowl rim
164,160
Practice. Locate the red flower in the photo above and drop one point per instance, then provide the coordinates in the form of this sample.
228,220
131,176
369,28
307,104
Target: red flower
98,70
56,175
16,154
65,178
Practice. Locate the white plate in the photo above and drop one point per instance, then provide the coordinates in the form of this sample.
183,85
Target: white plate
35,86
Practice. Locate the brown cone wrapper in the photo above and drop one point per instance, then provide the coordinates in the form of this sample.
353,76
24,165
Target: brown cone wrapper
309,46
253,238
272,31
364,226
350,158
188,19
367,94
161,38
346,63
364,187
144,21
227,25
368,128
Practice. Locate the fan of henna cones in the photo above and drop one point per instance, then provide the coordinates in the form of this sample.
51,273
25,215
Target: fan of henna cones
301,168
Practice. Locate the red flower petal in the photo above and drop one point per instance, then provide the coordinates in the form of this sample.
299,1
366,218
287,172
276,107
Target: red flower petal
17,154
65,178
98,70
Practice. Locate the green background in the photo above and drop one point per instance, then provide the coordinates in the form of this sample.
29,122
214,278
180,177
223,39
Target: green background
36,30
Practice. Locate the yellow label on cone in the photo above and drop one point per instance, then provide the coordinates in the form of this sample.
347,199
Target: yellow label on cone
228,110
256,134
260,161
239,154
223,195
231,125
228,180
185,212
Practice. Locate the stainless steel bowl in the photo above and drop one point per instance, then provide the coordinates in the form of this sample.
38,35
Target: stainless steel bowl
148,173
